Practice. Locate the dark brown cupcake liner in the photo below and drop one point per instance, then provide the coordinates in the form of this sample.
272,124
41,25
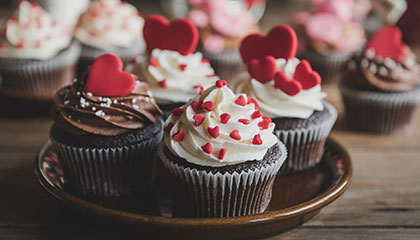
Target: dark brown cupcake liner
108,172
328,66
380,112
225,195
39,78
227,64
305,146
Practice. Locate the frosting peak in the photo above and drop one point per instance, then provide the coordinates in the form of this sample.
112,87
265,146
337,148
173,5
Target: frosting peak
219,128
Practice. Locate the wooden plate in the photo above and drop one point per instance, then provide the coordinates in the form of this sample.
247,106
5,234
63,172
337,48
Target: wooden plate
296,199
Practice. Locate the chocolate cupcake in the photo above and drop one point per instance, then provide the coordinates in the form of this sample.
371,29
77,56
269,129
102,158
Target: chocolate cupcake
36,54
109,26
174,72
224,161
106,130
380,89
288,91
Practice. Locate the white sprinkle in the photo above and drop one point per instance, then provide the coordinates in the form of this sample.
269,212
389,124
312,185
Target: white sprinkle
78,93
351,65
78,120
100,99
89,94
70,116
138,83
383,71
410,63
373,68
370,53
135,107
100,113
115,101
389,62
134,100
75,80
93,108
365,63
66,102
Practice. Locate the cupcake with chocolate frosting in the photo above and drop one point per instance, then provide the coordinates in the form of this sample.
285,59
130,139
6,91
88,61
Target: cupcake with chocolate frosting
381,86
218,147
106,129
289,92
109,26
37,56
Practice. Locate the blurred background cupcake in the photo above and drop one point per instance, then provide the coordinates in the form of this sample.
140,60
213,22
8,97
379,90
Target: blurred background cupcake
37,56
380,88
109,26
330,33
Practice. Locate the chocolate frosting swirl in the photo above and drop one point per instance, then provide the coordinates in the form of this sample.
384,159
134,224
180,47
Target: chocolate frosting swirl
80,112
372,72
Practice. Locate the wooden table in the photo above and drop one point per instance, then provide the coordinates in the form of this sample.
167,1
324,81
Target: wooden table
383,201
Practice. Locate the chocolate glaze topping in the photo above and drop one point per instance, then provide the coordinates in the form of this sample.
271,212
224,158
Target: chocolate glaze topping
80,112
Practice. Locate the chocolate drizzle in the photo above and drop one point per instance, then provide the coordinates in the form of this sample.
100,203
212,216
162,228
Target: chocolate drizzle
80,112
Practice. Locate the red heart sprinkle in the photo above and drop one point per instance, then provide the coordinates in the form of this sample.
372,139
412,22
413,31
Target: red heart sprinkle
214,132
195,106
265,118
224,118
244,121
222,153
207,148
179,136
263,124
168,128
180,35
306,76
256,114
235,135
153,62
262,70
251,100
208,105
280,42
182,67
221,83
163,84
200,87
290,86
211,75
177,112
257,140
206,61
241,101
199,118
386,42
107,78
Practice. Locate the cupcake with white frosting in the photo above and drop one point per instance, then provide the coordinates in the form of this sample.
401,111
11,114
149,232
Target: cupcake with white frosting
174,73
109,26
289,92
219,137
37,56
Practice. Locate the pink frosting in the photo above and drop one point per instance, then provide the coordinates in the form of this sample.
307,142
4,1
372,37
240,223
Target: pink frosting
330,24
214,44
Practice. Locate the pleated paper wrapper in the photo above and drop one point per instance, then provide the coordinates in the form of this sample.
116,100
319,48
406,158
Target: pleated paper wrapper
227,64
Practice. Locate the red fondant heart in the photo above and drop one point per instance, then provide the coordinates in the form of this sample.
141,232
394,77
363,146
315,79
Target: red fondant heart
387,43
180,35
306,76
262,70
107,78
290,86
280,42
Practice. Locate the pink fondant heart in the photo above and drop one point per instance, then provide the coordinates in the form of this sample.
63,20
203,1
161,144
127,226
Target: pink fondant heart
262,70
387,43
107,79
180,35
324,27
290,86
306,76
280,42
229,24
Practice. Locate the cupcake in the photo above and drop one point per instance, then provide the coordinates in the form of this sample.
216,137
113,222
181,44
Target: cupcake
106,131
174,72
37,56
288,91
380,88
222,25
109,26
329,36
223,154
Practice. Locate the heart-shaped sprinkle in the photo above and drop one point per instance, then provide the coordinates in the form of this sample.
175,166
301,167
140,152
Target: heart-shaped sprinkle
168,128
262,70
256,140
387,43
244,121
241,101
222,153
163,84
306,76
267,119
177,112
196,106
205,61
198,118
107,78
256,114
251,100
214,132
207,148
263,125
178,136
201,89
235,135
208,105
180,35
290,86
280,42
221,83
224,118
182,67
153,62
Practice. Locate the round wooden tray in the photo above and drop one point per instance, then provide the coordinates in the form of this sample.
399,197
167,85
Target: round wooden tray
296,199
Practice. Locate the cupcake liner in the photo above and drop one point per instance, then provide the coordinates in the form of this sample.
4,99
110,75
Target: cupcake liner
39,78
227,64
329,67
225,195
106,172
380,112
305,146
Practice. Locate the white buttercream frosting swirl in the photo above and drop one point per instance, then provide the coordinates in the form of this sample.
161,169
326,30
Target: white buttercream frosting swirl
274,102
110,24
30,33
250,140
173,77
